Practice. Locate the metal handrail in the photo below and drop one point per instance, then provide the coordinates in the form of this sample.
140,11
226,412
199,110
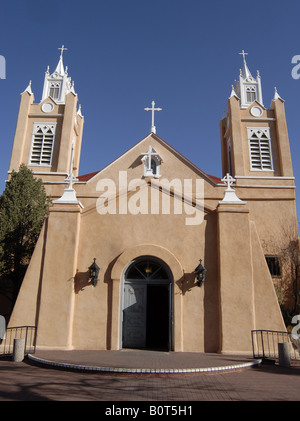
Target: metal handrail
265,344
11,333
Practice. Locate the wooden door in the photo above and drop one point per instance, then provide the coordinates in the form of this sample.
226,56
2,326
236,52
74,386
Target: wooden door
134,315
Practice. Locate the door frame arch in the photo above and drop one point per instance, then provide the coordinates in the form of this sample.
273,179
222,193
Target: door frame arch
143,283
117,272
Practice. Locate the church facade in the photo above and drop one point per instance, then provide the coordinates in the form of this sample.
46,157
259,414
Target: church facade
151,252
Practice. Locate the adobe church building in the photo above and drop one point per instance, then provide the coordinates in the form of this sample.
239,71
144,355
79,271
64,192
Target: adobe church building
150,219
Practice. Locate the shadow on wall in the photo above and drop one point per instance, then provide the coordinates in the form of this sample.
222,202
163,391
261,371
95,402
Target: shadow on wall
187,282
108,281
82,280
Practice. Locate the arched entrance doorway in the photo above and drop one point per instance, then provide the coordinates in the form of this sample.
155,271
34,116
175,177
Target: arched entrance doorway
147,305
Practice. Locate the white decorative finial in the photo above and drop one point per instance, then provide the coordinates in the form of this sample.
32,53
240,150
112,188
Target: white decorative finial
233,93
69,196
79,110
72,89
28,89
153,128
276,95
230,196
229,180
71,179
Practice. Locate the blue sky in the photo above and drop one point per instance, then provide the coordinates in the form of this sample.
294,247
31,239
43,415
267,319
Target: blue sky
122,54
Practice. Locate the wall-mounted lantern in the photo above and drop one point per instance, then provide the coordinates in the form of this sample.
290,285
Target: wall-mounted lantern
94,272
200,272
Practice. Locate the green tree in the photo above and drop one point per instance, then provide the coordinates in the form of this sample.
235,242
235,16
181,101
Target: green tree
23,208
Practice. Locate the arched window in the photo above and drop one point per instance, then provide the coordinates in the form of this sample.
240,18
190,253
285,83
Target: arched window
147,269
260,148
42,144
54,90
153,166
250,94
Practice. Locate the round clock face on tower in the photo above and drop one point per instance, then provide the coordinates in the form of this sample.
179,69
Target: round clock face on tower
256,111
47,107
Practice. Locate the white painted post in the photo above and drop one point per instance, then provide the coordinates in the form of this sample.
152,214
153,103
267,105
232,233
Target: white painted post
2,327
284,354
19,349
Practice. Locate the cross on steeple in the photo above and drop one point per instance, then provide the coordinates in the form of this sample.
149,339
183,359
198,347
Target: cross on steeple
62,48
153,128
246,72
243,54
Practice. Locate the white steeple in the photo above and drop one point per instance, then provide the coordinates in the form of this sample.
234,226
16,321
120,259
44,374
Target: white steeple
245,72
247,87
58,84
60,66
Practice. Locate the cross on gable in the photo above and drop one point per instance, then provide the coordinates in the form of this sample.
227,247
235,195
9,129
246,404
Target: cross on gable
151,153
153,109
229,180
152,161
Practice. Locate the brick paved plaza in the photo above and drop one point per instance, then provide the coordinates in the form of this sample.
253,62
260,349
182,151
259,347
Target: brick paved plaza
27,382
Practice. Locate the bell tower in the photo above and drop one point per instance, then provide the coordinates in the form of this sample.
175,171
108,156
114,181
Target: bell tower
48,132
254,139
